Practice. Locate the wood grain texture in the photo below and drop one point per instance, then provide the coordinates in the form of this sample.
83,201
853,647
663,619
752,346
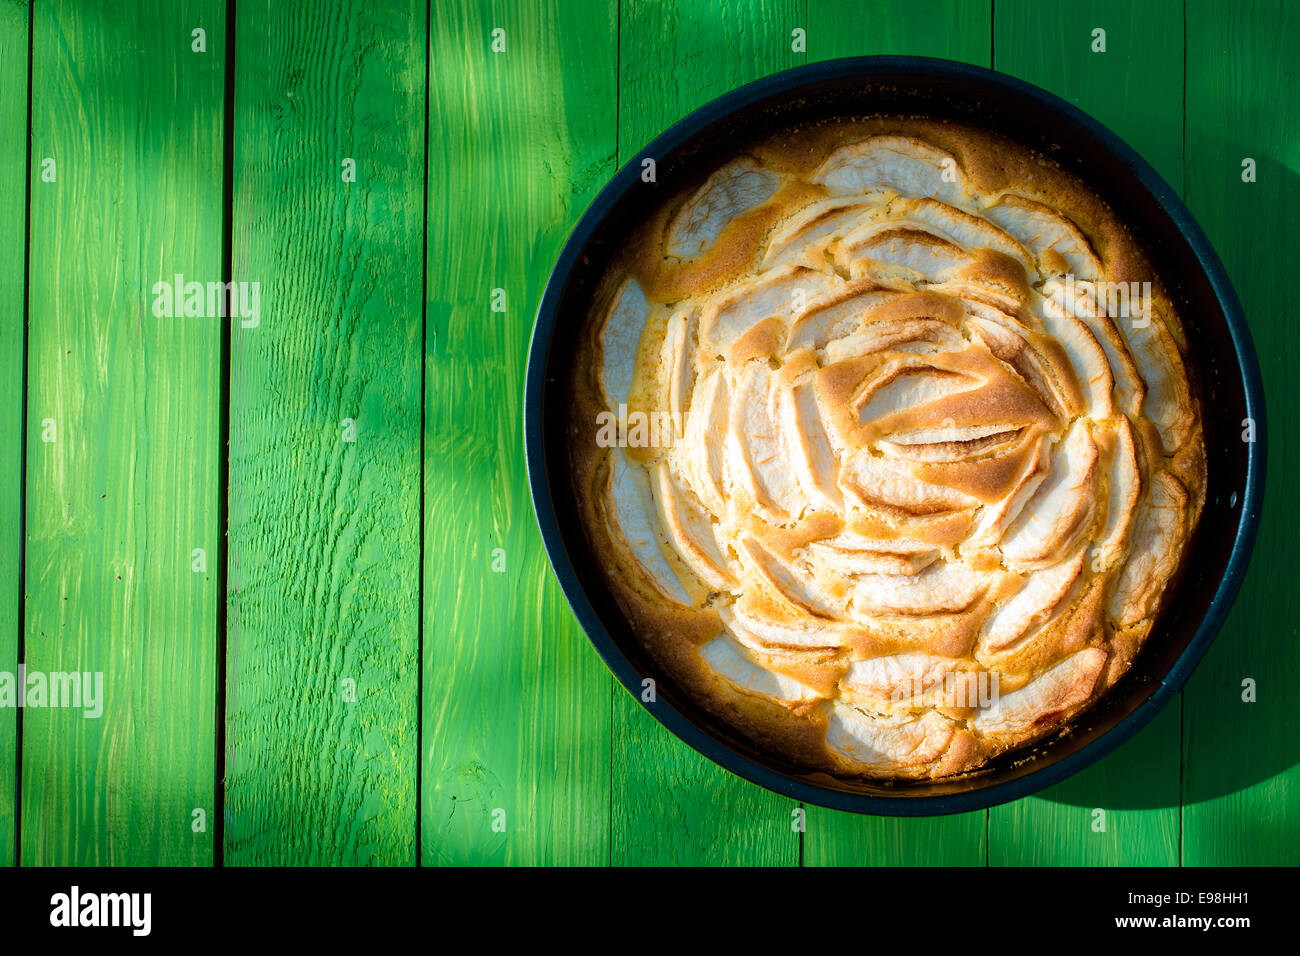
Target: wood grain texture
1241,785
322,666
670,805
948,29
1135,88
14,17
123,442
955,30
518,714
516,701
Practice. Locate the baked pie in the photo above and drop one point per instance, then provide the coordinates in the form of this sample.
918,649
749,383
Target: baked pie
885,438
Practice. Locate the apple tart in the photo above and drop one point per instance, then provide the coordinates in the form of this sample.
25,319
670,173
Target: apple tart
885,438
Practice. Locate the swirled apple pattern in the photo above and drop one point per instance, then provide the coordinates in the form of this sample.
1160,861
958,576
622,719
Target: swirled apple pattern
913,448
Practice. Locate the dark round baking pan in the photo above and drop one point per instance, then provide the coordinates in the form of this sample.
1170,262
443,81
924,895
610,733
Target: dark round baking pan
1221,352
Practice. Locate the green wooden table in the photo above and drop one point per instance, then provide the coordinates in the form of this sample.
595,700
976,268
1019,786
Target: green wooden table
297,540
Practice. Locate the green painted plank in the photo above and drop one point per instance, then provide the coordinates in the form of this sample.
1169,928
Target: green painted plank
123,431
949,29
14,18
322,656
1135,87
671,806
954,30
1241,780
516,702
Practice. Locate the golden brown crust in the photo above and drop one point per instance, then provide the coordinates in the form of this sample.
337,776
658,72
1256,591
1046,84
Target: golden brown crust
924,473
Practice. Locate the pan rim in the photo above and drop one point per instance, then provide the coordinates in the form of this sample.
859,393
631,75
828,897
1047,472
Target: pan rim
977,796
